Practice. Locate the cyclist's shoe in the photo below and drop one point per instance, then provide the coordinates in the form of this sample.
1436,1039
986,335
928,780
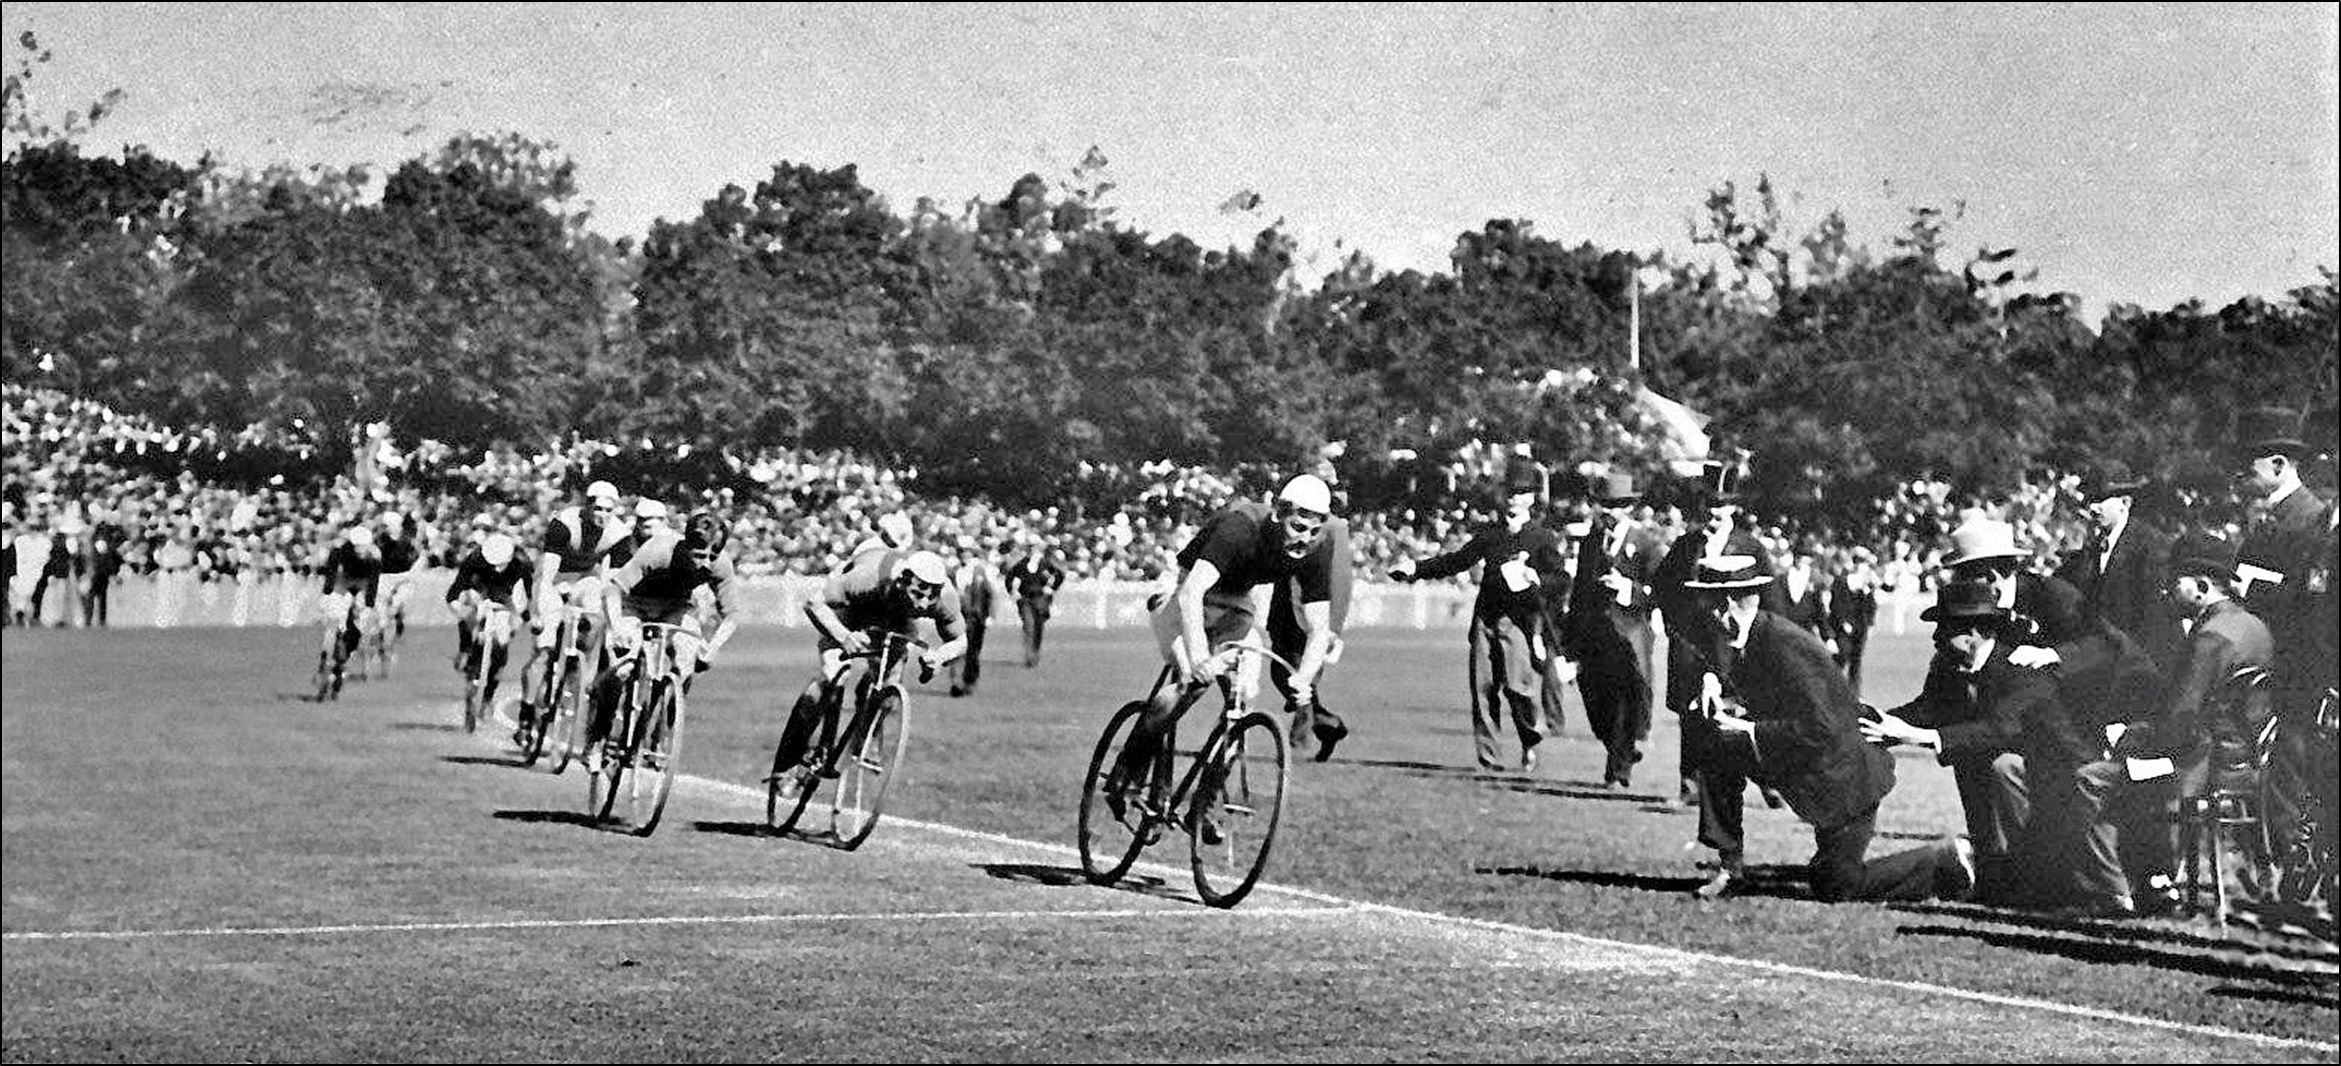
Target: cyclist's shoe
591,758
1207,828
1329,734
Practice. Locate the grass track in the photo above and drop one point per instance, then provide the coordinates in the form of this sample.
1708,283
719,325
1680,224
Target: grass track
161,781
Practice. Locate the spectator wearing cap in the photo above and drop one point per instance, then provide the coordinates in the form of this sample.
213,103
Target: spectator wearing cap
105,563
1522,571
2275,562
1713,510
1607,628
2119,571
1784,716
2210,743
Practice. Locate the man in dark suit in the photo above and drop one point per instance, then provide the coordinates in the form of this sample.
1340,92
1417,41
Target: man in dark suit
105,562
2119,571
1784,716
1521,566
1608,627
1035,579
979,592
1805,596
2277,561
2009,740
1712,506
1854,604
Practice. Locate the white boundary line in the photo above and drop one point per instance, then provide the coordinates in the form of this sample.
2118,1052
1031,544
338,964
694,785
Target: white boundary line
710,919
1677,954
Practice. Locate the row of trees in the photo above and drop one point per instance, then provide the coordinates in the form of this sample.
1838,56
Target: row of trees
1001,345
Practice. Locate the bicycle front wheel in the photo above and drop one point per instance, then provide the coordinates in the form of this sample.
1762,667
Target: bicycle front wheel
864,768
475,688
653,757
1238,802
1113,827
566,734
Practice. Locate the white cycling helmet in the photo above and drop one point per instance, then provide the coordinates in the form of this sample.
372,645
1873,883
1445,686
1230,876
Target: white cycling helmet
1307,492
602,490
894,526
497,549
649,508
361,537
925,566
393,521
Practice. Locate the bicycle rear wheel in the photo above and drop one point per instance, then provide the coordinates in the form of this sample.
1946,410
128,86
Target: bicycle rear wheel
604,785
782,811
865,768
575,700
540,726
1110,843
1238,802
475,685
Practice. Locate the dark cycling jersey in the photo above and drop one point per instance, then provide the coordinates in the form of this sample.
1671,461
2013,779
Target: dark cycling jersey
496,583
399,554
660,577
579,541
1244,542
862,594
347,569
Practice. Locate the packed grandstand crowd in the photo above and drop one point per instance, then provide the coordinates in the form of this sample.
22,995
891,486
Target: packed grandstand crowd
270,501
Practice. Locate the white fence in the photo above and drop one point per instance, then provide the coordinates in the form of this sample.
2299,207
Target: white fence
178,599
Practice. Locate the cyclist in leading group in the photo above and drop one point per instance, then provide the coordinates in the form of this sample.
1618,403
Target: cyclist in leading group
659,584
576,553
353,580
885,591
492,573
1225,573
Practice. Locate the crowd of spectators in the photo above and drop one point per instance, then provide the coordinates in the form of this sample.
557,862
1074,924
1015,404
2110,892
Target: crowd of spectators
270,500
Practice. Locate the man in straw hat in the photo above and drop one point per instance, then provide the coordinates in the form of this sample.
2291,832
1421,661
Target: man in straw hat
1608,626
1712,507
1523,573
1784,716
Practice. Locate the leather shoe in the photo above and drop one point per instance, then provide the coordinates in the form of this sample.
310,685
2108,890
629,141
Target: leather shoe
1528,760
1725,882
1328,735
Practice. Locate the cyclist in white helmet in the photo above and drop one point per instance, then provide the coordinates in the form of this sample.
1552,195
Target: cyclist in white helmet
577,552
491,573
886,592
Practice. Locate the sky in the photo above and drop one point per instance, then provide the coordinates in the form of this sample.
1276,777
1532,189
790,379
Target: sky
2133,153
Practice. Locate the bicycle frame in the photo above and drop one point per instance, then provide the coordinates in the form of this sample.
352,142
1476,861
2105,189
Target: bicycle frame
1238,704
885,662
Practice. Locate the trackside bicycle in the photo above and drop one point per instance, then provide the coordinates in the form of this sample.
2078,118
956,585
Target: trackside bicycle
1228,803
852,764
631,781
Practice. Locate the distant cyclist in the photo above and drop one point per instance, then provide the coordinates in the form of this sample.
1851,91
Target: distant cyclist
1225,573
571,562
353,579
491,573
659,584
887,591
399,556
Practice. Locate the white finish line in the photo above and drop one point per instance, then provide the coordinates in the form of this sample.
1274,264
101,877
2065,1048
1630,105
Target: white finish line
1340,904
711,919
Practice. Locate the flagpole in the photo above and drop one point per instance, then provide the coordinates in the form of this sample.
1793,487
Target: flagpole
1634,325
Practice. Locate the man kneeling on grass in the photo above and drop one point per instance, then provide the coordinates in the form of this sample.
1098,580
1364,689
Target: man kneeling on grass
1787,718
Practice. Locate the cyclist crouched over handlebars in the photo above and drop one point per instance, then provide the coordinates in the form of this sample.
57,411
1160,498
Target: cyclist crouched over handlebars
491,573
658,585
880,591
1241,551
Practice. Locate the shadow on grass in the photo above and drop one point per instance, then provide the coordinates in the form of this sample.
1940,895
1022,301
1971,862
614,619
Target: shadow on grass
576,818
1072,877
2144,931
512,761
1776,882
427,727
2082,947
736,829
2273,995
1508,781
